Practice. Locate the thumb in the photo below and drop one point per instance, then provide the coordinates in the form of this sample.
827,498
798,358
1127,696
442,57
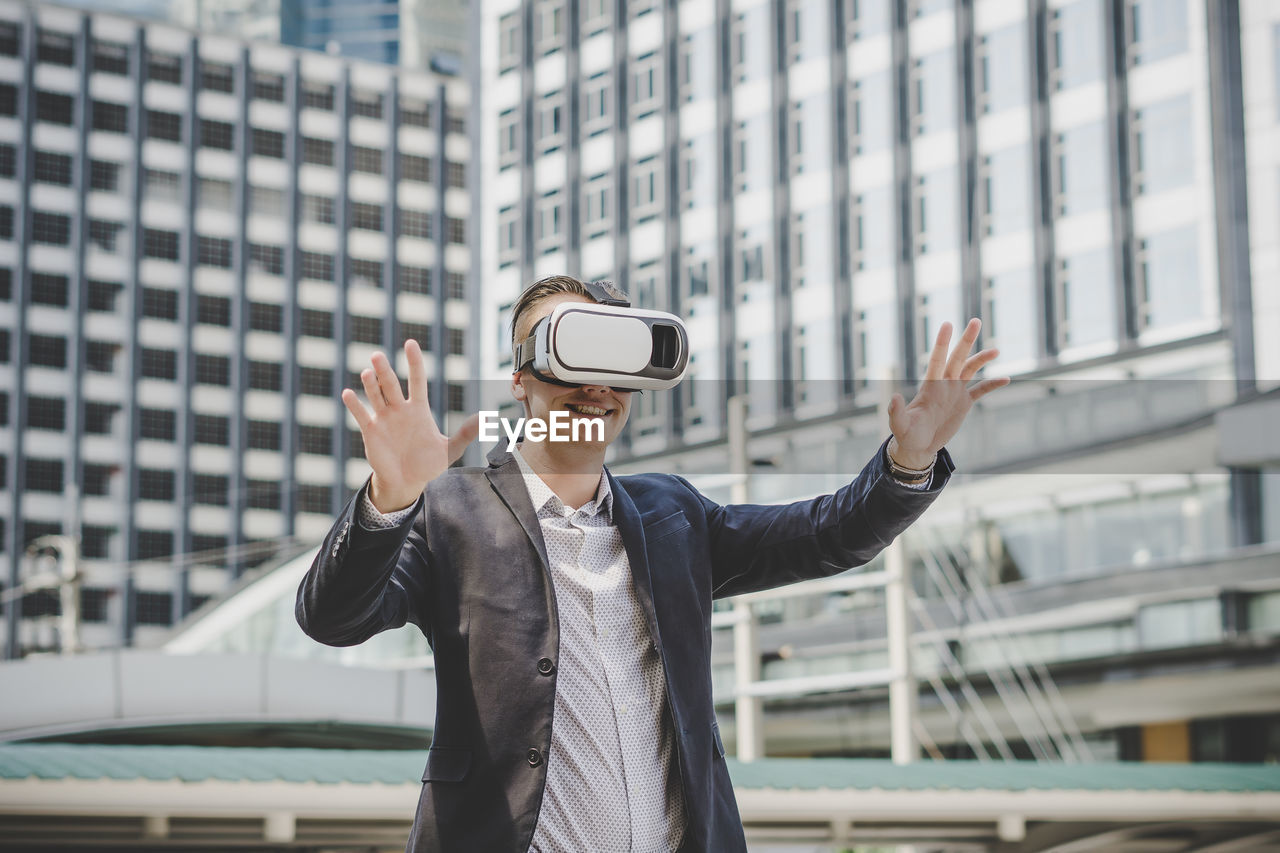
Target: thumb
463,436
896,405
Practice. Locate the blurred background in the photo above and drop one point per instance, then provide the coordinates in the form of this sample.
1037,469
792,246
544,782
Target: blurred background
213,211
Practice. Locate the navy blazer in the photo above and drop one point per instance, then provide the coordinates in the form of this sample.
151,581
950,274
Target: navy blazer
470,569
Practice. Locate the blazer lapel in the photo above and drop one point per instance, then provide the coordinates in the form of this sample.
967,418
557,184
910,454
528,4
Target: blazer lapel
627,519
504,474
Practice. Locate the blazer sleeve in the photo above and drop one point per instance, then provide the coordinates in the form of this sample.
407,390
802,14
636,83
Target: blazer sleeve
755,547
365,581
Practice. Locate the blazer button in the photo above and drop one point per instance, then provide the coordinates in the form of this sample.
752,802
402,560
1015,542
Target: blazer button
534,756
546,667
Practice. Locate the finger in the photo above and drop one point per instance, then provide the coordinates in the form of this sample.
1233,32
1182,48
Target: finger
986,386
417,371
462,437
896,406
372,390
956,363
977,362
387,379
938,357
356,408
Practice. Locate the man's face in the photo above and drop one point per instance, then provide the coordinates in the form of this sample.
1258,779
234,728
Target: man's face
542,398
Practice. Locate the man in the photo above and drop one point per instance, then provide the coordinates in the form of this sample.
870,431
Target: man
569,611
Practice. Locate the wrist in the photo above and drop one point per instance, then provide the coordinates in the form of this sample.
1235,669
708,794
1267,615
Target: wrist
909,461
387,500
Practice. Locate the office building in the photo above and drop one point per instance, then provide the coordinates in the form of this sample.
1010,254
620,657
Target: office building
203,240
816,188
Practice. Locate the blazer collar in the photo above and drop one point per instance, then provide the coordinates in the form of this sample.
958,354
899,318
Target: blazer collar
505,477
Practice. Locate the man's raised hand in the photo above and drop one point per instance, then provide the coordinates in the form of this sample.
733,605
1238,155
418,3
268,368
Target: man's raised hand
402,443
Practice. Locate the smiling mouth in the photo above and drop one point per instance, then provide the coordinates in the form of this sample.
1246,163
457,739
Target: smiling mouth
587,409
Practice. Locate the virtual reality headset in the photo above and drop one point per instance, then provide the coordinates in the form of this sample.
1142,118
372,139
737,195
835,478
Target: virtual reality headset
610,343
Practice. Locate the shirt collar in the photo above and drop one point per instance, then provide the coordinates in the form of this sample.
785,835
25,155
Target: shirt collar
540,493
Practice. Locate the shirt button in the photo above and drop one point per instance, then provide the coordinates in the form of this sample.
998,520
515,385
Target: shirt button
534,757
546,667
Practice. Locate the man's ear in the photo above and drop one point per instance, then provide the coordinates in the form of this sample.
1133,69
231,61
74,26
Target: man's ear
517,386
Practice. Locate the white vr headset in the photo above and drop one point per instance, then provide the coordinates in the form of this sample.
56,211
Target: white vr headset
609,343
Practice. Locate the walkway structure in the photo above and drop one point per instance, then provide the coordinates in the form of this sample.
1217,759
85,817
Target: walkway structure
201,798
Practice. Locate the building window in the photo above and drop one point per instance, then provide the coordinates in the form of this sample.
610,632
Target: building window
102,295
414,279
871,114
455,341
212,429
646,197
318,96
6,223
268,143
217,134
551,123
51,168
158,424
549,222
266,201
161,304
98,417
51,228
508,236
104,176
55,48
1085,299
109,117
932,93
10,38
217,77
266,317
596,206
1075,44
548,26
213,310
315,381
164,125
55,108
44,475
317,151
1163,146
213,252
455,285
510,38
646,86
8,161
262,494
160,244
317,208
213,194
317,324
8,100
1169,279
312,498
155,485
455,230
365,273
99,356
213,370
153,608
314,439
268,260
414,168
164,67
1079,186
47,413
1157,29
1006,191
367,217
368,160
159,364
209,489
935,209
508,137
1002,69
415,112
415,223
455,175
364,330
317,266
266,376
49,289
159,185
105,236
419,332
366,103
268,87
